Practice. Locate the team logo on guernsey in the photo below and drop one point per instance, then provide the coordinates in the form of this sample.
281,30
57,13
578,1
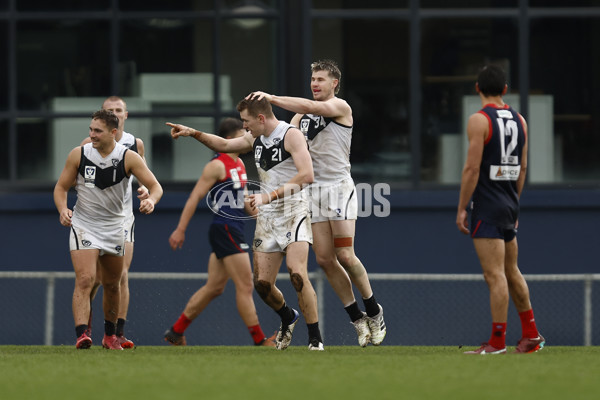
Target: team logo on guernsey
304,126
115,162
257,154
89,176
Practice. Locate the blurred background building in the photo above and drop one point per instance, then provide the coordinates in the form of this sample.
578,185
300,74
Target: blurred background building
409,68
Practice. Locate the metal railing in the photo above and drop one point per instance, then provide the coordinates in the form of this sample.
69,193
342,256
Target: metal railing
319,281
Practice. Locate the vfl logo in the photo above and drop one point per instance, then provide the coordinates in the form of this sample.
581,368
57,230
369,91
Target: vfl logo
86,243
338,212
115,162
304,126
276,140
257,153
257,242
288,235
89,176
118,249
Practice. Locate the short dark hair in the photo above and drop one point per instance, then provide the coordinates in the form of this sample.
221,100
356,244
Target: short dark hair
109,118
255,107
331,67
229,126
491,80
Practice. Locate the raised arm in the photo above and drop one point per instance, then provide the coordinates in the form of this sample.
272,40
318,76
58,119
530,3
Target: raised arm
332,108
213,172
64,183
135,165
242,144
477,131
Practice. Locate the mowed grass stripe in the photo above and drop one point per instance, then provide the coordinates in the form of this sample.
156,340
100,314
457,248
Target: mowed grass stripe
341,372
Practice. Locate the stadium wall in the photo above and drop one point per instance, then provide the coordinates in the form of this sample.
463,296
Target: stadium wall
558,233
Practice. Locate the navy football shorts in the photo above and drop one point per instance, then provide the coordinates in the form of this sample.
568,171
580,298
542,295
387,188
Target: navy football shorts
226,240
481,229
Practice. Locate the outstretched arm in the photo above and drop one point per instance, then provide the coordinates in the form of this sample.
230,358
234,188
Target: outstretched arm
332,108
213,171
242,144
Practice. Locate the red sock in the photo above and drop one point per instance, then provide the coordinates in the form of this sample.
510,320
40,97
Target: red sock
257,334
498,338
182,323
528,327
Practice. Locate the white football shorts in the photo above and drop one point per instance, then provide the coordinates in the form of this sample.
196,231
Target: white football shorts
333,201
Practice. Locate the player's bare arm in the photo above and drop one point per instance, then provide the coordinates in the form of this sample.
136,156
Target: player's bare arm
142,190
240,145
477,131
295,144
67,177
136,166
213,172
334,107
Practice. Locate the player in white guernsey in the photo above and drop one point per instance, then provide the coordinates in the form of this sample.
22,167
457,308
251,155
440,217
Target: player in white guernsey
327,122
100,171
118,106
283,222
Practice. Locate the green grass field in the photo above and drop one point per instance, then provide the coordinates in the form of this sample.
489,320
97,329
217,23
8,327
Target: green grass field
245,373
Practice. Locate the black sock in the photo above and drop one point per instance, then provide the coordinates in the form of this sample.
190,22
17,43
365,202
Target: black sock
286,314
109,328
371,306
354,312
120,326
80,329
314,332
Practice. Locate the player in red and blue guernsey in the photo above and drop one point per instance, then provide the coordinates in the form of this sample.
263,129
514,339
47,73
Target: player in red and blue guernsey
494,175
223,181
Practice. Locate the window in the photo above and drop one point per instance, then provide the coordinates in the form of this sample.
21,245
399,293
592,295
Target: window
567,71
454,50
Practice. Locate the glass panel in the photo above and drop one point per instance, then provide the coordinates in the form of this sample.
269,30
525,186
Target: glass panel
468,3
180,79
33,149
564,4
453,51
152,5
250,6
4,158
376,91
359,4
576,120
247,68
171,160
61,59
3,67
62,5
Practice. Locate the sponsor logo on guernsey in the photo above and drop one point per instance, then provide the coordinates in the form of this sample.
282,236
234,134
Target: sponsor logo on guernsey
89,176
504,114
504,172
244,246
257,242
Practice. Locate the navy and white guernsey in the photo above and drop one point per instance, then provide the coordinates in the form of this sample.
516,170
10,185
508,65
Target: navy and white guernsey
101,186
495,199
275,166
226,197
329,145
